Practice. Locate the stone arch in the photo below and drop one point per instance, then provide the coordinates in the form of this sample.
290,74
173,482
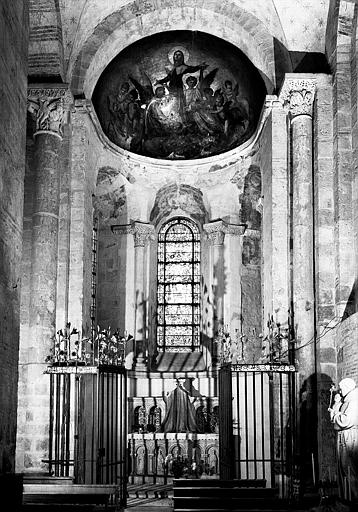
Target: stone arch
123,27
140,460
177,450
212,459
179,201
155,415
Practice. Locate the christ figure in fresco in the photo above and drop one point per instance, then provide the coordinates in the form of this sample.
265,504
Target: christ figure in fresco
174,78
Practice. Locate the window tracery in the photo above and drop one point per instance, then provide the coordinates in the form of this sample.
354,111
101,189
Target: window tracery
178,291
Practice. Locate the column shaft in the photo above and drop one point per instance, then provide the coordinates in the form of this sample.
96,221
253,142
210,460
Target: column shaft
302,233
298,95
47,105
142,233
44,242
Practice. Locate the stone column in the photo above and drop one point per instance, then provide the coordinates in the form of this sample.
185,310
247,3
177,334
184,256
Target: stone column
297,95
48,105
216,235
226,294
142,233
233,267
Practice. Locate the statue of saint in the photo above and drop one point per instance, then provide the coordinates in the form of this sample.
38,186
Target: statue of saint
180,414
344,416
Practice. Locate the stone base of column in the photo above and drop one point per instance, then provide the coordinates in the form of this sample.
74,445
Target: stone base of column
140,360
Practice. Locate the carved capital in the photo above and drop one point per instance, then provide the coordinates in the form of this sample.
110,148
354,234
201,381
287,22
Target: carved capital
217,230
49,106
142,233
297,96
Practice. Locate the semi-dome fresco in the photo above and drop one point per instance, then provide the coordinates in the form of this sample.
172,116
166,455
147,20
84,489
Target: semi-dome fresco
179,95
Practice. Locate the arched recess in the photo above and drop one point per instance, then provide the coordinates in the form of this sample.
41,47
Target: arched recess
46,57
171,201
123,27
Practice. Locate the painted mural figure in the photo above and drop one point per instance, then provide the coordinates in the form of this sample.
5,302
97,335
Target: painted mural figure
174,78
178,116
344,416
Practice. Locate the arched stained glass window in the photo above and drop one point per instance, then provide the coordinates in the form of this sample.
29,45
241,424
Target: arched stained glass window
178,313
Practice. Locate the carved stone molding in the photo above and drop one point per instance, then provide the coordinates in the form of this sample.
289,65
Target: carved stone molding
122,229
217,230
141,231
235,229
253,234
49,106
297,96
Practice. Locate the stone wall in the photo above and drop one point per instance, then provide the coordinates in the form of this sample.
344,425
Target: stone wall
343,63
324,267
13,96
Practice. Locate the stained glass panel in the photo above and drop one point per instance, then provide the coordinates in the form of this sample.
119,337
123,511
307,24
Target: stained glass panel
178,293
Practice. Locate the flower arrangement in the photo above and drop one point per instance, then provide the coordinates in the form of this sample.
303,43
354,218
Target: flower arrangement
275,345
105,347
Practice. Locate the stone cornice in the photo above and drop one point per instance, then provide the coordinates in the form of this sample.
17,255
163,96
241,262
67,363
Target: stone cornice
217,230
297,95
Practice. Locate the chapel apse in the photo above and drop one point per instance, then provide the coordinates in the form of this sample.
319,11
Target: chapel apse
179,95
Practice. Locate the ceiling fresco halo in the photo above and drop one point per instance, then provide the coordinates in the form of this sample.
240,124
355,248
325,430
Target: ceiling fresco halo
179,95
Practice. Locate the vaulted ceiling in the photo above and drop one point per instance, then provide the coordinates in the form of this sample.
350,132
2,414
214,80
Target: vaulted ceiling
75,39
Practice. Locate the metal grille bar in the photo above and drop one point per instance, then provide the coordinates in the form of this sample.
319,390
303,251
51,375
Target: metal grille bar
263,426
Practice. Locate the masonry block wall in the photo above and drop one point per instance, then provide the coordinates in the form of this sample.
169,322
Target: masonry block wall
342,57
13,87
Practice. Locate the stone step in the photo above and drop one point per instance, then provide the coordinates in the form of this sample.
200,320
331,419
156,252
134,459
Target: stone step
149,491
230,503
39,479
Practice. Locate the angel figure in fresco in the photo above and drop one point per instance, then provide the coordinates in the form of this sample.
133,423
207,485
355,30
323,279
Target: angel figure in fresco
236,109
160,114
194,93
202,108
117,107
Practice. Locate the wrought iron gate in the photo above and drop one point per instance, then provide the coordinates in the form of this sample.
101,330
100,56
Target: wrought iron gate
262,419
88,431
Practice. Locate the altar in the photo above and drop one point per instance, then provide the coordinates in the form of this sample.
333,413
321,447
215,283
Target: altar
154,457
